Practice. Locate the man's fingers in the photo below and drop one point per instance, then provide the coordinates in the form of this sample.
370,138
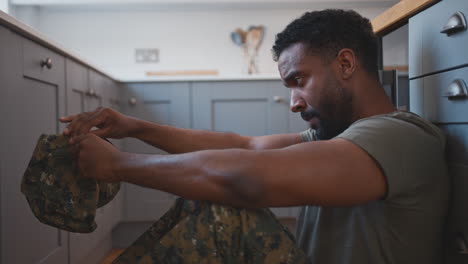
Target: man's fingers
66,131
100,132
67,119
74,122
93,120
83,123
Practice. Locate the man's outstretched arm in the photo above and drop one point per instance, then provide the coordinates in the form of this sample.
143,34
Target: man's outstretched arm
178,140
112,124
334,173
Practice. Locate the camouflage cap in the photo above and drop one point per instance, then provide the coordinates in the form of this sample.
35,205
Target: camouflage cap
56,193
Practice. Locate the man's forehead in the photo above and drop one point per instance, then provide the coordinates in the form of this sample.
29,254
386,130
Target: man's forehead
294,57
293,53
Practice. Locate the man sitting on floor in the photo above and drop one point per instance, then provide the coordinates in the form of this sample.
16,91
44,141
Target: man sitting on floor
372,180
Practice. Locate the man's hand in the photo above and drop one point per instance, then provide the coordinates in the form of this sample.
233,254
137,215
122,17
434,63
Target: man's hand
97,158
110,124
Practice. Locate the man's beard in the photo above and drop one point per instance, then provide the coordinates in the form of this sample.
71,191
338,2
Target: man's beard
335,115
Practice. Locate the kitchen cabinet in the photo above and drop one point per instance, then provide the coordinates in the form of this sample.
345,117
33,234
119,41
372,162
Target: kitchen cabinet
7,54
86,91
250,108
38,86
438,75
430,49
35,98
162,103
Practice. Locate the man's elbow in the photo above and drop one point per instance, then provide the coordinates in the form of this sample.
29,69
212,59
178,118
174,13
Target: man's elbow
244,191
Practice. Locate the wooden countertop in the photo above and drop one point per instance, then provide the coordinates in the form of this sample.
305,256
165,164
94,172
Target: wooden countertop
398,15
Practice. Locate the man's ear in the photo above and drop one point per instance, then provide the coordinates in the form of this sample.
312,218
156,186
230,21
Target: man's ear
346,61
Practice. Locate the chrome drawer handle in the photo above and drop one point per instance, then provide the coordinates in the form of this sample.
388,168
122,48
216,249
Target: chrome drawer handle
92,92
456,89
278,99
47,63
456,23
132,101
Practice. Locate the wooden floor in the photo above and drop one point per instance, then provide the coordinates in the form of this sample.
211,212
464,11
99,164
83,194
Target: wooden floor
112,255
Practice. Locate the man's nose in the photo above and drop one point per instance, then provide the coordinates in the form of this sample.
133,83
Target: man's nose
297,103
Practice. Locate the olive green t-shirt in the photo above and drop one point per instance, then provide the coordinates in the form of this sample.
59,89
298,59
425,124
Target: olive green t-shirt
406,226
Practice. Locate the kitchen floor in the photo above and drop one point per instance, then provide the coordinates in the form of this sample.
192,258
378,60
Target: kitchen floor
112,255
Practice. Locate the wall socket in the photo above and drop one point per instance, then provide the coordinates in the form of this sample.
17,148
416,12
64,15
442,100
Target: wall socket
146,55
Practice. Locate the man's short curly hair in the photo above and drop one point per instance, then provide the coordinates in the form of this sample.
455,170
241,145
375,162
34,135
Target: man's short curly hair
328,31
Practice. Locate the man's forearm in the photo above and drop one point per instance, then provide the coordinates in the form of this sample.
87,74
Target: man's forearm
197,176
177,140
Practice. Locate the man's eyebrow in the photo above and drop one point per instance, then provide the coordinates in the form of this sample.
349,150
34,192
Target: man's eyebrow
290,76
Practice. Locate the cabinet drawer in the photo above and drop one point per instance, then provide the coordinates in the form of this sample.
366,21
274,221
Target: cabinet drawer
430,50
440,108
35,66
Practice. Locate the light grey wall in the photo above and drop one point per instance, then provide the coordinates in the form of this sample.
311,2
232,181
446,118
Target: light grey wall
29,15
188,39
4,6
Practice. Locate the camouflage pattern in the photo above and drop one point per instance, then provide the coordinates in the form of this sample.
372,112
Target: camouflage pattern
107,192
56,194
203,232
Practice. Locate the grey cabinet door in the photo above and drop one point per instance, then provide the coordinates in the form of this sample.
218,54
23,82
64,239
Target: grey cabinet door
111,99
77,87
35,103
85,92
247,107
162,103
96,84
251,108
9,63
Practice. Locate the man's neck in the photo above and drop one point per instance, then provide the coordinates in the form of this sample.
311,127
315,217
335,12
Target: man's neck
370,99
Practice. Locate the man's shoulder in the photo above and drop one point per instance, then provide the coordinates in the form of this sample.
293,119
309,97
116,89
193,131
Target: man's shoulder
396,124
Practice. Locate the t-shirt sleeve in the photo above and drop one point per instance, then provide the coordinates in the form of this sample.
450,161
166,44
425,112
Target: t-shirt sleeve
397,147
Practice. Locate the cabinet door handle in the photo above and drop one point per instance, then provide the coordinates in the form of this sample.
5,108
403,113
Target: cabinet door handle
455,24
47,63
278,99
132,101
91,92
456,90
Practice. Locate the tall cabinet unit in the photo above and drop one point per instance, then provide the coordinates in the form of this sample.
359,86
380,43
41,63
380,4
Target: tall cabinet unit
35,99
438,60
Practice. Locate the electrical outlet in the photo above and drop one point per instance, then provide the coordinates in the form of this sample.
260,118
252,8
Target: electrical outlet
147,55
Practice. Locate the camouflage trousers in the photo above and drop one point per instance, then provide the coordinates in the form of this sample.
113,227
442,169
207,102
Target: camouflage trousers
203,232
